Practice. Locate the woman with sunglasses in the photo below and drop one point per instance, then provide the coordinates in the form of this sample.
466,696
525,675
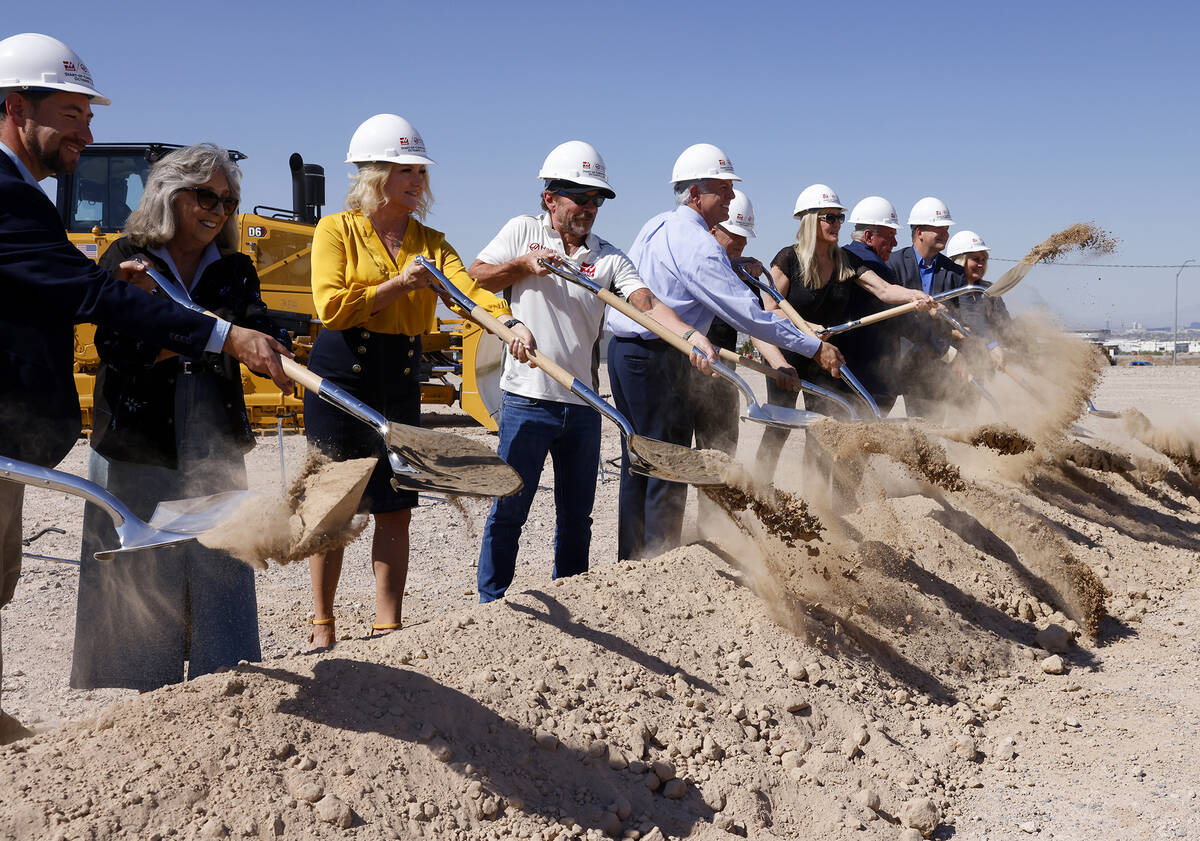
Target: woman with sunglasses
166,427
814,275
375,302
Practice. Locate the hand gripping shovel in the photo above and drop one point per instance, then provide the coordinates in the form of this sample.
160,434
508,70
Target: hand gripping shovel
421,459
647,456
803,326
173,522
780,416
1006,282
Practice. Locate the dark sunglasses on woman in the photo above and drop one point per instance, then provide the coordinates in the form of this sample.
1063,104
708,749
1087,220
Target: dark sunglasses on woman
209,200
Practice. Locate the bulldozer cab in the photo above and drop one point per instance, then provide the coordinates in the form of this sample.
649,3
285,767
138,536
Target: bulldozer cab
107,185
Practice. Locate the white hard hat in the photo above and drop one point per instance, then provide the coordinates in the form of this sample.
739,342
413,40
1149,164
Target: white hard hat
964,242
30,61
388,138
930,211
875,210
741,216
817,197
579,163
702,160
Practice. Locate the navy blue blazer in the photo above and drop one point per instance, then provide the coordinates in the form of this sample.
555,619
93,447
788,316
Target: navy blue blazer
947,275
47,286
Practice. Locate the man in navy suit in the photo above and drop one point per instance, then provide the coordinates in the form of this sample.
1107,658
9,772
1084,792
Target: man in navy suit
928,385
48,286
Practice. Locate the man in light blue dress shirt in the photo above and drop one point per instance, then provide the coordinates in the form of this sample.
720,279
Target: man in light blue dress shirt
685,267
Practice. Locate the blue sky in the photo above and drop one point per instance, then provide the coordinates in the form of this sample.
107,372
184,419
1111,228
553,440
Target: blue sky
1024,117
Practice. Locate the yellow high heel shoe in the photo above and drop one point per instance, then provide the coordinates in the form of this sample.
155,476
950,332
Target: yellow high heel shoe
313,634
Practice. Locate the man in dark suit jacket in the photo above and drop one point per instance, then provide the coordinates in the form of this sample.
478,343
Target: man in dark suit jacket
49,286
926,383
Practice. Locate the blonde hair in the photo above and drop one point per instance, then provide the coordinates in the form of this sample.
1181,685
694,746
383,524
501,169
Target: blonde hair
806,253
367,194
154,223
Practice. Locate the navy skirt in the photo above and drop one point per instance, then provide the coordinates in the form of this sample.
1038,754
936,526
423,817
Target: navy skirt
384,371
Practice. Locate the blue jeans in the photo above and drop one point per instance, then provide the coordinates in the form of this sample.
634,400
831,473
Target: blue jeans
650,385
529,430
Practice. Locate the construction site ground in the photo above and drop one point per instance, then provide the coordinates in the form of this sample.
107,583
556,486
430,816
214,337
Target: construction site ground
728,688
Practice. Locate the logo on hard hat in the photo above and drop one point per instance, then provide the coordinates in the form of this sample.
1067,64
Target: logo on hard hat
587,165
403,141
69,66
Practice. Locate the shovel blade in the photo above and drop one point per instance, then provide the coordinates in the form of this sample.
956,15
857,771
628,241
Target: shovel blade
1009,279
780,416
149,540
450,463
674,463
199,514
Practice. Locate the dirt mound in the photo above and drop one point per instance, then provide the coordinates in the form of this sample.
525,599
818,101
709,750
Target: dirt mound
656,698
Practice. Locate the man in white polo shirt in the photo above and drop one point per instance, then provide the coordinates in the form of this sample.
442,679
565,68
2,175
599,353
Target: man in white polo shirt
539,416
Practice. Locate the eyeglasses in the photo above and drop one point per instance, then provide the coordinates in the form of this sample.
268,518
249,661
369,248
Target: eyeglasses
209,200
832,218
581,199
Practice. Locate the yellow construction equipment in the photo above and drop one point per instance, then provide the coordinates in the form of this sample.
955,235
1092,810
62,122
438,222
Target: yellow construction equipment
96,199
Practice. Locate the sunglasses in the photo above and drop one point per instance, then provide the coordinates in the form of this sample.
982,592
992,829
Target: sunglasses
209,200
832,218
581,199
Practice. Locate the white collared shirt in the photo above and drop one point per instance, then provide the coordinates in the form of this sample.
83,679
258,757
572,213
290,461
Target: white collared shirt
565,318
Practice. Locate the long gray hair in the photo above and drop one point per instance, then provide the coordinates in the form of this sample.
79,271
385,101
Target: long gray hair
153,223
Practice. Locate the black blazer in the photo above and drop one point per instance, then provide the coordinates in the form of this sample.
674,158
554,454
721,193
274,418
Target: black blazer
134,413
947,275
48,287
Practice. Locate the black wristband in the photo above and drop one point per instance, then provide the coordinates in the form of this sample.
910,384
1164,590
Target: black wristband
512,322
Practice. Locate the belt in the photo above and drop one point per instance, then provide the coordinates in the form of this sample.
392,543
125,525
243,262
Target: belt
639,340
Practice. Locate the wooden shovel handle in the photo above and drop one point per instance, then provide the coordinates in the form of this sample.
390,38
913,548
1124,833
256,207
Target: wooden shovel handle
621,305
678,342
300,375
884,315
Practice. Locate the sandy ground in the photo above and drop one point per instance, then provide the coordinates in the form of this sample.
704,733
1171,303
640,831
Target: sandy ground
783,693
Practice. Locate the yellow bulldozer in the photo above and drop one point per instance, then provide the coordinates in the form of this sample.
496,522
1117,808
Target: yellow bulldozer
461,362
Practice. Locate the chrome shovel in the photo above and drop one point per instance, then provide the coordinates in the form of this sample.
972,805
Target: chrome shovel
175,521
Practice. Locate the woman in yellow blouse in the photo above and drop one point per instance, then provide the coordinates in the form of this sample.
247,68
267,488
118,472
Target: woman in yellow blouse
375,303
